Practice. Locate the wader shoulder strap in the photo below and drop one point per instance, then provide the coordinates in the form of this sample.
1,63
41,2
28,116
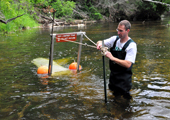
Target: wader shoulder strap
114,45
127,43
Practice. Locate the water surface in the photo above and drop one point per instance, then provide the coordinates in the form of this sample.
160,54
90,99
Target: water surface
24,95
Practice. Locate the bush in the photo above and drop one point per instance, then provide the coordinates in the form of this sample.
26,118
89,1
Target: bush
11,9
95,14
63,8
149,10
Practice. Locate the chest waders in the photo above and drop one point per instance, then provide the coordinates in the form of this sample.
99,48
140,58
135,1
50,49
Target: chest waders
120,81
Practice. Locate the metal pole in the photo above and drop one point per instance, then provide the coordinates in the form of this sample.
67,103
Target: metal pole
79,52
51,49
104,75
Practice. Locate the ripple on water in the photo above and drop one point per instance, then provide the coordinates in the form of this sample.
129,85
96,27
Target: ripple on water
156,87
152,94
154,100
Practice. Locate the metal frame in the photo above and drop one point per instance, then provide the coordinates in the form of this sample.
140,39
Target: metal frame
52,49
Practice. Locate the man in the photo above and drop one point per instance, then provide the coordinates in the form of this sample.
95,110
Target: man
122,56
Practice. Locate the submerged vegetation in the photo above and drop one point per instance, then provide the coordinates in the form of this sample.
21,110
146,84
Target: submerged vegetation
68,10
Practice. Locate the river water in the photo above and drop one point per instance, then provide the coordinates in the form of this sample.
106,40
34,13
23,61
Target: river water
80,96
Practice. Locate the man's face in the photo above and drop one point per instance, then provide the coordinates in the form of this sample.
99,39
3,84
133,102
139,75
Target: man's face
122,32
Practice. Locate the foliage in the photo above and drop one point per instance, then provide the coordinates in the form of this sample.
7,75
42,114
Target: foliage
165,1
63,8
149,10
11,9
93,12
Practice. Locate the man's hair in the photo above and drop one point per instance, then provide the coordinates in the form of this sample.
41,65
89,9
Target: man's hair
126,23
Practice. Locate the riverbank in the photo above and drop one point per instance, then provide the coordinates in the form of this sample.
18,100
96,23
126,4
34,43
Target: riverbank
78,23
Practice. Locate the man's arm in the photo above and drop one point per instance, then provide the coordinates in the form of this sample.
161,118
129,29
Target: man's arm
124,63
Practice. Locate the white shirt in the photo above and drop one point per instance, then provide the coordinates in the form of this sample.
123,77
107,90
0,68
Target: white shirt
131,50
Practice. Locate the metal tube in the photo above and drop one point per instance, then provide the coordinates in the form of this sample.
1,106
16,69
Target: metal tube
78,33
104,75
51,49
79,52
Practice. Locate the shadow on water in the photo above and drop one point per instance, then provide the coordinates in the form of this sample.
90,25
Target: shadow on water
24,95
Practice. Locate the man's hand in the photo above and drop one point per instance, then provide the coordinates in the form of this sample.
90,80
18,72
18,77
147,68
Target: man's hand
109,55
99,45
104,50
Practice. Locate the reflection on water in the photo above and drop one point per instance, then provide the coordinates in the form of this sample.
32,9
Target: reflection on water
24,95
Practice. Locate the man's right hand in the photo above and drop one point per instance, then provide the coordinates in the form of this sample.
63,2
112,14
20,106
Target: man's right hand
99,45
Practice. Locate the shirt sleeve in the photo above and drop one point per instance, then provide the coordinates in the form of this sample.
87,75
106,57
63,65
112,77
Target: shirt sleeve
131,52
109,42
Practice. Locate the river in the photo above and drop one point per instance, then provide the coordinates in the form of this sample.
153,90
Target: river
80,96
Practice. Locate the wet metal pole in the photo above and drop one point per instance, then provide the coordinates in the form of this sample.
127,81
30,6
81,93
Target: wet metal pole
51,49
79,52
104,75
